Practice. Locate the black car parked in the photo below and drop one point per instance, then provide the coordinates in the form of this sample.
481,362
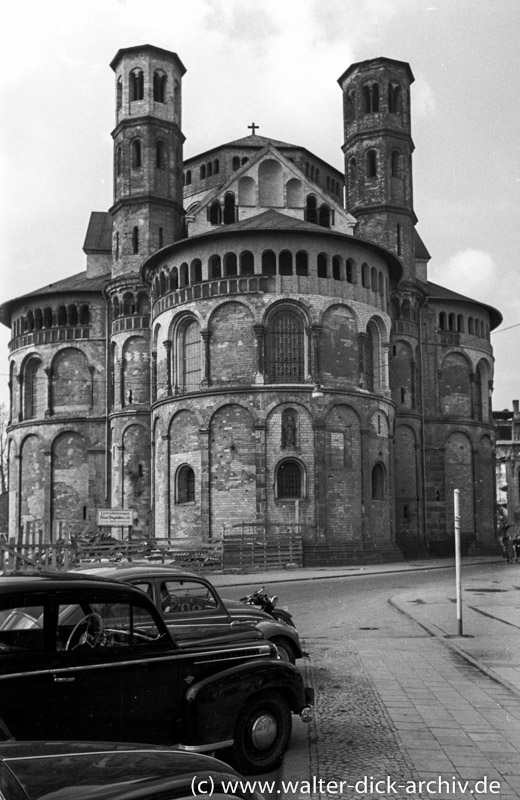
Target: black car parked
91,658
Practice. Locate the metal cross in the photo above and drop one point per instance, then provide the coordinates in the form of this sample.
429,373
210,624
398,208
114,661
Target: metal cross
253,128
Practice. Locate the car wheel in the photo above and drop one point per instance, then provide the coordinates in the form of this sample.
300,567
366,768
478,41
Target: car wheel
285,650
262,734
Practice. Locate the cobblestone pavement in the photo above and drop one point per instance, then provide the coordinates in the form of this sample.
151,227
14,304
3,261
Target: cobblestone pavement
410,710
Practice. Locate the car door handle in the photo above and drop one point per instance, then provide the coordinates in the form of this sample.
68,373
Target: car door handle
63,679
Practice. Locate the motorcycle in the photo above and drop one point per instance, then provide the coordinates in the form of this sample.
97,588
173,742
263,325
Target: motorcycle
269,604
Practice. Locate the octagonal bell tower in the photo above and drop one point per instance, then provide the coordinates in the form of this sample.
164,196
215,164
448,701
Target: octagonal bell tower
378,151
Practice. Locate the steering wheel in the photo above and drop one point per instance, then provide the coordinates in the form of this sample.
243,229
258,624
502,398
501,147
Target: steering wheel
90,635
170,603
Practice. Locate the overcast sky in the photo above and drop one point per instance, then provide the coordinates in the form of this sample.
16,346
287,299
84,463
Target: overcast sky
274,62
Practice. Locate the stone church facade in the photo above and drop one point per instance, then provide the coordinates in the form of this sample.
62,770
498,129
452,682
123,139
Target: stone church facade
254,340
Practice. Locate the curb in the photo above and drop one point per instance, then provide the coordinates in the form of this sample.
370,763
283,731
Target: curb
438,633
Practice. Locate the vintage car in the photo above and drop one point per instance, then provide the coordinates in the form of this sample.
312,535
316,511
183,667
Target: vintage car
84,657
191,606
106,771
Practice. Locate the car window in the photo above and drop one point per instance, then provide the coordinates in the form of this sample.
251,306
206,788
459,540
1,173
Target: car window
181,596
104,625
21,628
146,587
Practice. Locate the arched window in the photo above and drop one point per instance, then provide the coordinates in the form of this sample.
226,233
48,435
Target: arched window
322,265
286,348
311,211
174,280
202,172
72,315
215,267
136,84
230,264
351,271
268,263
371,159
442,321
285,263
135,240
47,318
215,213
289,480
185,488
395,162
136,154
62,315
34,389
229,208
159,86
365,276
196,270
394,98
183,275
209,169
188,177
190,357
247,263
235,164
325,216
216,167
336,268
371,98
302,263
84,315
119,93
160,155
373,279
460,323
371,366
119,160
378,482
129,302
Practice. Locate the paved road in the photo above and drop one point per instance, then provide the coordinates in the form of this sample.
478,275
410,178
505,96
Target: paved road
393,702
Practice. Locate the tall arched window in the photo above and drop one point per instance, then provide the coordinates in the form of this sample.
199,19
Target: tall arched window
268,263
286,348
371,158
185,488
136,84
160,155
302,263
190,357
371,98
247,263
135,240
229,208
136,154
34,389
324,216
215,213
311,211
378,482
289,480
159,86
394,98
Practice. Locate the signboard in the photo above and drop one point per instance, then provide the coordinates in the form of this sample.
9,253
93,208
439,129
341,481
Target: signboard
115,517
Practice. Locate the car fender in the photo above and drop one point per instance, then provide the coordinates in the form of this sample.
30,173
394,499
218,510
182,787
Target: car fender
213,703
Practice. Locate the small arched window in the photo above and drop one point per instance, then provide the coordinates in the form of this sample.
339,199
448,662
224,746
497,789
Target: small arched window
136,84
159,87
351,270
160,155
394,98
285,263
216,167
190,357
202,172
302,263
247,263
289,480
215,267
378,482
371,159
311,211
371,98
188,177
395,161
135,240
235,163
336,268
230,264
185,489
209,169
136,154
324,216
215,213
229,208
322,265
119,92
268,263
119,160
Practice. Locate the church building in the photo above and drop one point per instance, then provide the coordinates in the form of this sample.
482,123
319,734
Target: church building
255,342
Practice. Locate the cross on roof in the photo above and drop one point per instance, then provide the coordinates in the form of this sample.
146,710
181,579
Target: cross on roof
253,128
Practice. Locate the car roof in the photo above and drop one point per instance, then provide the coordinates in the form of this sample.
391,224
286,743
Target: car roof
139,571
38,582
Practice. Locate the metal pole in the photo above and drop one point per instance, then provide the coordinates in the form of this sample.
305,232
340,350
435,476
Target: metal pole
456,511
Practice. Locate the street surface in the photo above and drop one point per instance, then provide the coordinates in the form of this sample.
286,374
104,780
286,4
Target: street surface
393,703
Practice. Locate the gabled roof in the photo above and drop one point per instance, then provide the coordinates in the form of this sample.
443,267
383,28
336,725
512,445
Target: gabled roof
74,284
436,292
98,238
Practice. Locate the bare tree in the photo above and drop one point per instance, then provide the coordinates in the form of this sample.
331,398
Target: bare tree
4,419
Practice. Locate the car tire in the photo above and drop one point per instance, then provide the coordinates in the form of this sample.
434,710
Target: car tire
285,649
262,734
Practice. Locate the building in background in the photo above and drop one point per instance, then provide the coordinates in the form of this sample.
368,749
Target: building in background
507,424
255,341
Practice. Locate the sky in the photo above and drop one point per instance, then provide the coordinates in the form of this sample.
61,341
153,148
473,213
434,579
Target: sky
275,63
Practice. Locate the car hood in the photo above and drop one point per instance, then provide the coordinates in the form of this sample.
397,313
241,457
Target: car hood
238,609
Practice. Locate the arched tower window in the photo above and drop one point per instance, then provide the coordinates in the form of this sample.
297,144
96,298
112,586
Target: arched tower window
396,164
119,93
371,163
289,480
34,389
302,263
159,86
371,98
235,164
215,213
247,263
268,263
311,211
394,98
136,84
136,154
229,208
135,240
202,172
324,216
160,155
286,348
185,488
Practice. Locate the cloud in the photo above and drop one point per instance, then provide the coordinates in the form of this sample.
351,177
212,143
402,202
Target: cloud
471,272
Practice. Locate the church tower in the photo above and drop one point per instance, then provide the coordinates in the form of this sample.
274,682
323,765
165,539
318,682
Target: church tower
147,214
378,154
